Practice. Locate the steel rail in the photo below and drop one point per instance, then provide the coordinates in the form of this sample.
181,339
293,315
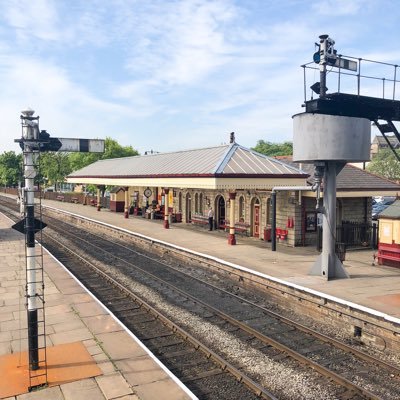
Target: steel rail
265,339
232,271
300,358
301,327
225,365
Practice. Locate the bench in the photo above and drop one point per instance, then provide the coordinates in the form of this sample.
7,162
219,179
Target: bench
60,198
74,200
240,227
387,257
388,252
200,220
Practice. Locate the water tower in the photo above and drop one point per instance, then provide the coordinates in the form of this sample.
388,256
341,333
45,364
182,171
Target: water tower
335,129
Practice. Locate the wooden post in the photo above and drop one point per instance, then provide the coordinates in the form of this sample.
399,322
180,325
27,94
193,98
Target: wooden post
232,237
126,207
166,206
98,199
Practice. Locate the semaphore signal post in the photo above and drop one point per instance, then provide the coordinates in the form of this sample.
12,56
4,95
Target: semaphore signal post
34,142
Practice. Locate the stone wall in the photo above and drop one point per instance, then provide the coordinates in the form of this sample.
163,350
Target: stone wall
291,212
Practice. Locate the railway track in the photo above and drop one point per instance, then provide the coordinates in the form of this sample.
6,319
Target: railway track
281,348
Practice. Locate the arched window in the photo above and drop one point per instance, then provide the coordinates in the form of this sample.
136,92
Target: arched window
180,202
201,203
241,208
196,203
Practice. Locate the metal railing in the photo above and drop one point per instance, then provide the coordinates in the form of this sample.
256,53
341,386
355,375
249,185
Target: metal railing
387,82
353,235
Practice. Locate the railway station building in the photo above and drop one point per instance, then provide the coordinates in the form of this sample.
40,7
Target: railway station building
237,183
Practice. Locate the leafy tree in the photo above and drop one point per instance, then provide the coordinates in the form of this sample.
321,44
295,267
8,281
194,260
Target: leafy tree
10,168
54,167
274,149
385,164
112,150
80,160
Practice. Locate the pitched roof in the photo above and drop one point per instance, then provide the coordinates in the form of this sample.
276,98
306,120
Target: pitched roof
381,141
224,161
391,212
116,189
351,178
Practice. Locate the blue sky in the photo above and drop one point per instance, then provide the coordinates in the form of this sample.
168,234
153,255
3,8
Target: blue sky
169,74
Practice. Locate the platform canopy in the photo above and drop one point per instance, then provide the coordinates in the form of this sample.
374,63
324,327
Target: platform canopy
221,167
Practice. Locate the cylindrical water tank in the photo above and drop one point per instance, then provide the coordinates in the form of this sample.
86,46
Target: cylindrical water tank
322,137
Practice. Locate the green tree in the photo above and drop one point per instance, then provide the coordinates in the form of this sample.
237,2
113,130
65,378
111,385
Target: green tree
10,168
385,164
274,149
54,167
112,150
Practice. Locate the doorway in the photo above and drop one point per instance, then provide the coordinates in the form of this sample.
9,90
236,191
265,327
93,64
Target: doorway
220,212
256,218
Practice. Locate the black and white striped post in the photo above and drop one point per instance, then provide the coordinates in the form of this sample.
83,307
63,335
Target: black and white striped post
32,143
30,133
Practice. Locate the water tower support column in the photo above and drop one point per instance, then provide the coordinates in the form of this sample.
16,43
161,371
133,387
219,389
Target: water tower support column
329,141
328,264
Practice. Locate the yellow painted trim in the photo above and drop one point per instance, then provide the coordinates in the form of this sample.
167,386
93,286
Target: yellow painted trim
223,184
198,183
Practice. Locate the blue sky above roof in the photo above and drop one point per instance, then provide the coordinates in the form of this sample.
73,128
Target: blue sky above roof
171,75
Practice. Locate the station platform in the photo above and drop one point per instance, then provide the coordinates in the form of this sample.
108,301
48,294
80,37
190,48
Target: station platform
112,363
376,287
75,316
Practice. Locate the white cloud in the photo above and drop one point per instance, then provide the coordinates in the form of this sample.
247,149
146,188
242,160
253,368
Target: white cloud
33,19
171,74
339,7
67,110
180,42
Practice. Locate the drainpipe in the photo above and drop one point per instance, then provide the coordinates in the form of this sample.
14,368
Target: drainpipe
273,207
273,221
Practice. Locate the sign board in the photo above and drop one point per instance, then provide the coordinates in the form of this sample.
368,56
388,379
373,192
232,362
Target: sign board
344,63
74,145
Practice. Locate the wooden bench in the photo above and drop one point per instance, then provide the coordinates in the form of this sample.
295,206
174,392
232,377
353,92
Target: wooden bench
60,198
388,252
200,220
240,227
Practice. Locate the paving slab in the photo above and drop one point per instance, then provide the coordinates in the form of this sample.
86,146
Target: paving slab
53,393
139,371
114,386
102,324
86,389
72,315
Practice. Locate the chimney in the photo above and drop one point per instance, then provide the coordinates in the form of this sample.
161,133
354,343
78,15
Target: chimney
232,137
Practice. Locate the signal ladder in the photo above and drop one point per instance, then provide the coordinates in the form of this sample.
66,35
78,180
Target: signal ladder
37,355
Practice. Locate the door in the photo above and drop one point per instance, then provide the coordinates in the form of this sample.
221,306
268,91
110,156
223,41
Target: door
220,213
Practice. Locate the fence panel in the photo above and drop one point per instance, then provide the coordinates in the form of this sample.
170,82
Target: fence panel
353,234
